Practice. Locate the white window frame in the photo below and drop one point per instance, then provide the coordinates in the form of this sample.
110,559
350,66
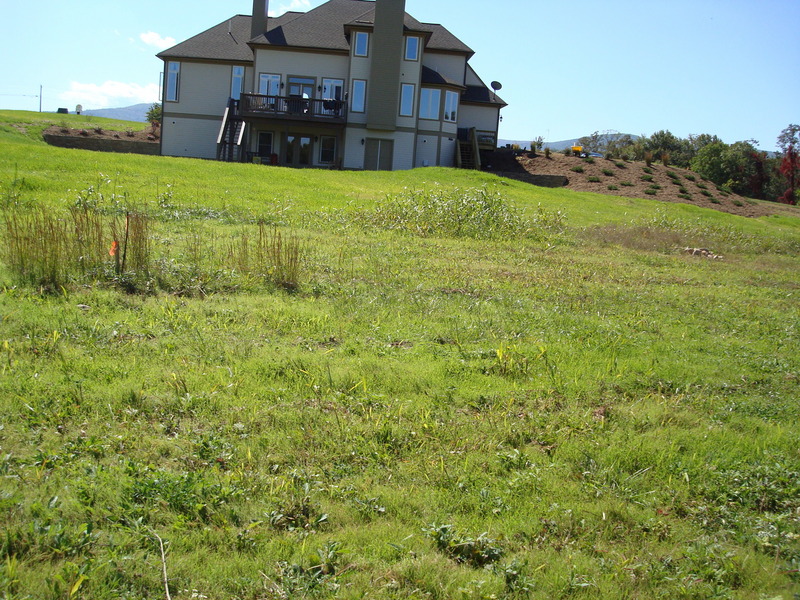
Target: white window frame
412,47
407,93
357,37
269,84
358,103
451,100
430,103
237,81
171,91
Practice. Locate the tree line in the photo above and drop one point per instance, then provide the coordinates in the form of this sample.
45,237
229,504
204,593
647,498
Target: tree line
740,167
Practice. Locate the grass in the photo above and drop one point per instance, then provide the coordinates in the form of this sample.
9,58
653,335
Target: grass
571,406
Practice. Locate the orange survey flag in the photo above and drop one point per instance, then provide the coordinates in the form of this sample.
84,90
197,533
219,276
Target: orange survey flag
113,250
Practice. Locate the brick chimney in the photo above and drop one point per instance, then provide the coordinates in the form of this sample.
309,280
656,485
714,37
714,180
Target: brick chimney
387,52
259,22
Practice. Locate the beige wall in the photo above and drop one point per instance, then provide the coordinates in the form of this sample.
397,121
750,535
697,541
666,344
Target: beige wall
449,65
305,64
427,150
480,117
204,89
194,137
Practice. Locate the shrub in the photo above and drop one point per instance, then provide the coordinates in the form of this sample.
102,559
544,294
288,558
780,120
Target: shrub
589,160
547,152
672,175
472,213
626,184
593,179
476,552
620,165
647,170
685,196
650,192
655,186
665,158
567,151
648,158
690,177
647,178
608,172
578,169
683,190
612,187
706,193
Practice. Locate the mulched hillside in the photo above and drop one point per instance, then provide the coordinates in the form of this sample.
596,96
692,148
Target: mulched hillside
633,180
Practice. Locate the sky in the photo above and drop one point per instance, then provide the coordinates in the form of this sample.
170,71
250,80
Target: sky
568,67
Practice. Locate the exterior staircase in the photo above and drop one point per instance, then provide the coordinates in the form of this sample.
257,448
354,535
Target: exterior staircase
231,134
468,156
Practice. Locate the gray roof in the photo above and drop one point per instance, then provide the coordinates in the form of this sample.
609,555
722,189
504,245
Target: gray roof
322,28
479,94
432,77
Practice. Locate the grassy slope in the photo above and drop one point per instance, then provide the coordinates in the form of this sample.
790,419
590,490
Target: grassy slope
621,419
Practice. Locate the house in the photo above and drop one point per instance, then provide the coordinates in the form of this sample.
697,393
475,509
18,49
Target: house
354,84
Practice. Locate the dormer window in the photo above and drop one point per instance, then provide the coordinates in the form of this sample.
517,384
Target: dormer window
361,43
412,48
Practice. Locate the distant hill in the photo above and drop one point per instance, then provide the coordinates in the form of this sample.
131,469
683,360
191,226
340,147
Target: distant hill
137,112
555,146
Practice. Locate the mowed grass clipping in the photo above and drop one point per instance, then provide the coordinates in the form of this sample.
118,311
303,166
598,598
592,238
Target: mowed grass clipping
571,407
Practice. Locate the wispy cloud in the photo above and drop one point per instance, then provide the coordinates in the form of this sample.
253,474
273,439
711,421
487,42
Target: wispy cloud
110,94
151,38
300,5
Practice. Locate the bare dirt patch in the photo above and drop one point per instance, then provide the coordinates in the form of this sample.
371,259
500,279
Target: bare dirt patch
149,134
633,180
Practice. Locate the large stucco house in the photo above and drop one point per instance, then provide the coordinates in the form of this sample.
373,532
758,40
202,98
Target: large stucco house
354,84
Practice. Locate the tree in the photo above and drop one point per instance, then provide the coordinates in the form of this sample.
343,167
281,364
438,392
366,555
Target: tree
154,113
790,166
789,137
737,166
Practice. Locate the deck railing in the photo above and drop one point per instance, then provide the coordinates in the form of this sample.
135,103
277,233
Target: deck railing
291,107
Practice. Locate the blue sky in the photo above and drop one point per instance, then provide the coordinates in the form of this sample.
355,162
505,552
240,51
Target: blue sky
568,67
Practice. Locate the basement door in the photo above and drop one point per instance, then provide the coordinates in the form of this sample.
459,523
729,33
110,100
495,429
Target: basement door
378,155
298,150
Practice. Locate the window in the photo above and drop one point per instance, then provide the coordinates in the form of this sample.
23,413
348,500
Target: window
407,100
429,101
237,82
361,45
359,101
269,84
173,80
264,143
327,149
332,89
451,107
412,48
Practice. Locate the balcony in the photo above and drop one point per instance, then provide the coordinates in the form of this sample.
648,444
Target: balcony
295,108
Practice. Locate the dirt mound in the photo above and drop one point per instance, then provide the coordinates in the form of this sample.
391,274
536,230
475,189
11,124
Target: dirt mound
630,179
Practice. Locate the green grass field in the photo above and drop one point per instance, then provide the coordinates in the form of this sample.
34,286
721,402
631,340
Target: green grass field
473,388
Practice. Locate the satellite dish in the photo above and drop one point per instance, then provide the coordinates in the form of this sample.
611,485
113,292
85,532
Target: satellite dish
497,86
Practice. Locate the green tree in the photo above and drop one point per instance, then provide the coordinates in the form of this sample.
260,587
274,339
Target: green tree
154,113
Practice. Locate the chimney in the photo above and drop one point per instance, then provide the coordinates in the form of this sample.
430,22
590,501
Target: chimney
387,52
259,22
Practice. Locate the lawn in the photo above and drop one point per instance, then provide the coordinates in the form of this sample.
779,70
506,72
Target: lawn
424,384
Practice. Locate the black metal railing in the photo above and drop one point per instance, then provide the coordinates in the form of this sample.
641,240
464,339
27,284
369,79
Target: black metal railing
292,107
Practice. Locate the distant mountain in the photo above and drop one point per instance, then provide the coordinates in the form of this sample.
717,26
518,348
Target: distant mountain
554,146
137,112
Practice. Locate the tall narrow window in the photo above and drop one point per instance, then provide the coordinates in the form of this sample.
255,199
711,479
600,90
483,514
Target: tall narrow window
237,82
412,48
173,81
407,100
429,100
361,43
359,101
451,107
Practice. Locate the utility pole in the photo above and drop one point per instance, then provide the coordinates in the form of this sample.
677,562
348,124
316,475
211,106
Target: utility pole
40,97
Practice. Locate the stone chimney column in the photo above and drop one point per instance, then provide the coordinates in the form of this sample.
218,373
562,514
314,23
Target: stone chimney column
383,93
259,22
